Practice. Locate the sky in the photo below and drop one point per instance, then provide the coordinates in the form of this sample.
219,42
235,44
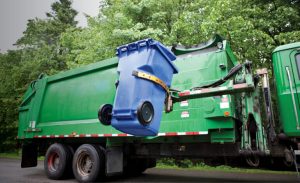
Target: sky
15,13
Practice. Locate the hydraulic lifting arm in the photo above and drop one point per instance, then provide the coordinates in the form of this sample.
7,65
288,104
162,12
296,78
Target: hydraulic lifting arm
244,84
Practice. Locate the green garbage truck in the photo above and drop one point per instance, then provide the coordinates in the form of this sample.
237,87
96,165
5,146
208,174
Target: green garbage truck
215,107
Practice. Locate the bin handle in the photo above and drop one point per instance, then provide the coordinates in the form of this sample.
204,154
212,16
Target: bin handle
152,78
156,80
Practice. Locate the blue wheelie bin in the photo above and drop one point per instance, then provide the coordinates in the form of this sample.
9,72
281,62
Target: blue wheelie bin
145,72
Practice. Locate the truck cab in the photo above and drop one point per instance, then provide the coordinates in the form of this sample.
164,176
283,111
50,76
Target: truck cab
286,65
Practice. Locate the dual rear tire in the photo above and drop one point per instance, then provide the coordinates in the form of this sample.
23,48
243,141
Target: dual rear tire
87,164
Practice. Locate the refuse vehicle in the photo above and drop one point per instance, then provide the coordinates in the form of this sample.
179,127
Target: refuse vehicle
216,107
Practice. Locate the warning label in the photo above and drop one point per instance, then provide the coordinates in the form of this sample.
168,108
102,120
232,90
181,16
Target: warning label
184,103
185,114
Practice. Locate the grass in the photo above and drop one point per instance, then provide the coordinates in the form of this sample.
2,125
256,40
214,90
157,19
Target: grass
224,168
12,155
188,165
16,155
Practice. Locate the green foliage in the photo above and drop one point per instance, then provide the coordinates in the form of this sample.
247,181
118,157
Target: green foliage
8,100
39,51
196,164
41,32
40,44
181,163
254,28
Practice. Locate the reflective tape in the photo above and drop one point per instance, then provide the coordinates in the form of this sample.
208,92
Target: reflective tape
120,135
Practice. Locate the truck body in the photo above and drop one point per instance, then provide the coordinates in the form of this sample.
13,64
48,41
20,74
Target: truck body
59,115
66,104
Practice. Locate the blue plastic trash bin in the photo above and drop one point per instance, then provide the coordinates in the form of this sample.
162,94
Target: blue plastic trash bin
139,102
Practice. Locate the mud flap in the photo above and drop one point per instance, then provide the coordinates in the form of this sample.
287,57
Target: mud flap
29,155
114,161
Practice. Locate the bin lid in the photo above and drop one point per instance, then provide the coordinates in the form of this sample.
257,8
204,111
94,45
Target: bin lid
168,54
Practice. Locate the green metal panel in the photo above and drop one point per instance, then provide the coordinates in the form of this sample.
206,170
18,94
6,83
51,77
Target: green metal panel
67,103
288,87
202,114
287,47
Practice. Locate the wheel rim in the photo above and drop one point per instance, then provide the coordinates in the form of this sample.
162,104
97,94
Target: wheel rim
53,162
145,113
84,164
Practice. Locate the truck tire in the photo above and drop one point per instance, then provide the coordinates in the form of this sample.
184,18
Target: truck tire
58,161
89,163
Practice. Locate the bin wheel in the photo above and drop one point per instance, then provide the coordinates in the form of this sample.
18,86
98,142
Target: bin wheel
104,114
145,113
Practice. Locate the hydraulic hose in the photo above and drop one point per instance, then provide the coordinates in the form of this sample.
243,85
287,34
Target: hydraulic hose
230,74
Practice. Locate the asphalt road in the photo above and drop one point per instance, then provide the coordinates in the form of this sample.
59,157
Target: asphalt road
10,171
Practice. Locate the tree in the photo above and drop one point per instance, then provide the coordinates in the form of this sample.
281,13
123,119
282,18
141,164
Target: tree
254,28
39,51
8,100
120,22
40,42
40,32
